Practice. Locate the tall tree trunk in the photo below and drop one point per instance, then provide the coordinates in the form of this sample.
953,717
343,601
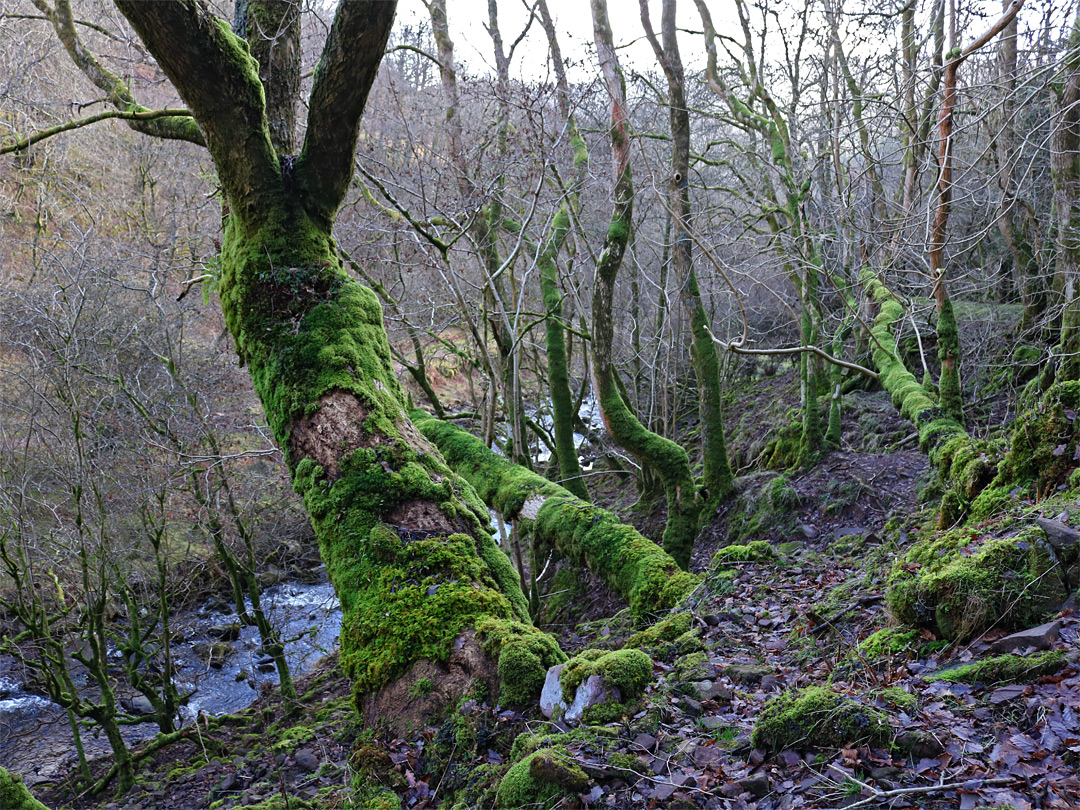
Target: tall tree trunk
1065,165
418,575
1025,267
562,403
716,471
668,458
948,337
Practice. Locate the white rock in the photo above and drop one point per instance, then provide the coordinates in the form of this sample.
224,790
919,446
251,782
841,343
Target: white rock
551,697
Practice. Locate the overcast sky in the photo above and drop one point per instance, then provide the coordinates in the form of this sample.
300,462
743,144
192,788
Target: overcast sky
573,24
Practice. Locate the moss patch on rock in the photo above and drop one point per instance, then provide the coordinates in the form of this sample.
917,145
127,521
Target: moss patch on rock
958,588
628,670
818,717
540,777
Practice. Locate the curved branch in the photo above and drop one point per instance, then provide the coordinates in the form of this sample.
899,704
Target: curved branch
738,347
350,61
116,89
123,115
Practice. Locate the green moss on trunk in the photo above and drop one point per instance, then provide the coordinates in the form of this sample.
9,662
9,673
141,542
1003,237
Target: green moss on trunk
632,565
14,795
403,538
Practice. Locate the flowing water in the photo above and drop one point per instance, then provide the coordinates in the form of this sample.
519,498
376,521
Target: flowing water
36,740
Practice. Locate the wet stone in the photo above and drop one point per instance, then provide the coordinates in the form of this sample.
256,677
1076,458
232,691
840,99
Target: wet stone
306,759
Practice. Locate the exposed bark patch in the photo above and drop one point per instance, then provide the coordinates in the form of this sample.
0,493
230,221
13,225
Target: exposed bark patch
332,432
399,706
423,518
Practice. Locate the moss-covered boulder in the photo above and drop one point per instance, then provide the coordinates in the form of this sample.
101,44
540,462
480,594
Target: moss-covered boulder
540,777
958,585
817,717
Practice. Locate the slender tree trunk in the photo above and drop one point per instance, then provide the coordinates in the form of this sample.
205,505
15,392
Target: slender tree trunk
1065,166
668,458
716,471
562,403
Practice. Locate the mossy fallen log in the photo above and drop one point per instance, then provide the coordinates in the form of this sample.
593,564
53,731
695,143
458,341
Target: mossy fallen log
632,565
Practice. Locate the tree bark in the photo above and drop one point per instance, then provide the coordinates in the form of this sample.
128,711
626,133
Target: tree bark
1065,167
664,455
402,537
716,471
562,402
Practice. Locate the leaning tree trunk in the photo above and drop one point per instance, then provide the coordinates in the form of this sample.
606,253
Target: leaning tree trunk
424,590
632,565
664,455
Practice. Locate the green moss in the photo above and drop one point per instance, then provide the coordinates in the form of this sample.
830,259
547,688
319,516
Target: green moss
1005,669
14,795
888,642
526,785
279,802
692,668
421,687
626,762
820,718
594,737
755,551
628,670
524,656
633,566
898,698
1004,583
666,630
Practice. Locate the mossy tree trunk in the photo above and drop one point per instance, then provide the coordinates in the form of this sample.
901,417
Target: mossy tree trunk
1065,165
964,466
948,337
670,460
562,401
1014,228
716,470
793,239
402,537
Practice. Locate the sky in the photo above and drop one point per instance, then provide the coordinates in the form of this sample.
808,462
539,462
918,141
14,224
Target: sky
573,25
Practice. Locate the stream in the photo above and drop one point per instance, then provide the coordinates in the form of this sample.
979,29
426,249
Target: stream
36,740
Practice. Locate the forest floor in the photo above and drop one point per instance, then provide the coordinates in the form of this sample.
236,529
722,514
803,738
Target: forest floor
795,617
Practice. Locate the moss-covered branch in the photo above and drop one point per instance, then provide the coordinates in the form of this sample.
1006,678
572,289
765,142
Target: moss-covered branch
964,464
117,91
134,115
632,565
